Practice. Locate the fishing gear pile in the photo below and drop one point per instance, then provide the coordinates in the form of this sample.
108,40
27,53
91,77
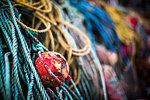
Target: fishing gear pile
70,49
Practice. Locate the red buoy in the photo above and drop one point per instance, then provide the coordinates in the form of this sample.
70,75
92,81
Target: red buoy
56,63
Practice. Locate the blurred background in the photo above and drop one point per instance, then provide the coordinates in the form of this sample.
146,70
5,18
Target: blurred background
142,63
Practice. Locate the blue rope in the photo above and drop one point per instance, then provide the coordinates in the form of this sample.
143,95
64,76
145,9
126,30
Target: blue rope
98,19
15,61
65,90
22,68
30,94
59,95
2,74
7,80
52,93
28,58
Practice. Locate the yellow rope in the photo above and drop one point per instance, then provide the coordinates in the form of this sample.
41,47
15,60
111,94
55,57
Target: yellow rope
34,30
76,76
35,8
126,34
48,12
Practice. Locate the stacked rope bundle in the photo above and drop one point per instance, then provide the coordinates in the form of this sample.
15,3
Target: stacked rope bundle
74,18
98,21
133,36
90,16
100,24
129,27
91,68
87,67
54,17
15,69
20,48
